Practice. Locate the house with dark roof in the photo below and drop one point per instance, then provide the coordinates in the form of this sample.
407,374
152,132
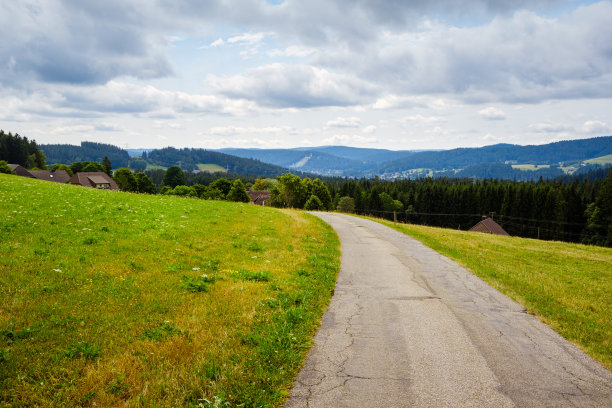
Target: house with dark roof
487,225
96,179
259,197
58,176
20,170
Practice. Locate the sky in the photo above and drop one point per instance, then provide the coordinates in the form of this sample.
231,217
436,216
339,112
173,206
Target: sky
394,74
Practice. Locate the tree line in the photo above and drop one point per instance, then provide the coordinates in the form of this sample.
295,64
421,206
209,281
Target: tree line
575,210
15,149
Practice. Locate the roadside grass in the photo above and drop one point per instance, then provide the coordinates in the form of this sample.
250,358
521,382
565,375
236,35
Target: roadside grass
212,168
119,299
567,286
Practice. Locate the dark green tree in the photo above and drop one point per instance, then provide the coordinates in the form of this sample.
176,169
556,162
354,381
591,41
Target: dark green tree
346,204
144,183
174,177
314,204
108,167
223,185
64,167
291,191
125,179
238,192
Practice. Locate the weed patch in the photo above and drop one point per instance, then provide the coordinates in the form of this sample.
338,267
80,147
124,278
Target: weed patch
84,350
257,276
161,332
200,283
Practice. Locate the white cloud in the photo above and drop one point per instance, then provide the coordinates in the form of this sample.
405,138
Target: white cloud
342,122
369,129
217,43
349,140
492,113
292,86
237,130
247,38
596,127
292,51
423,119
548,127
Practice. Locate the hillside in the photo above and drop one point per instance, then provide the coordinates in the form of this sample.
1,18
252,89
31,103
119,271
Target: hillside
189,159
119,299
489,161
87,151
552,153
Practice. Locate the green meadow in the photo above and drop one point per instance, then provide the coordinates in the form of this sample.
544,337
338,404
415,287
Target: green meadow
212,168
120,299
567,286
603,160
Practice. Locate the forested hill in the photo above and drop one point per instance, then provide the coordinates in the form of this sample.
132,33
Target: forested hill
188,159
87,151
551,153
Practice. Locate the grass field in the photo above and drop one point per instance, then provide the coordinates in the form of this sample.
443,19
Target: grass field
154,167
118,299
212,168
568,286
603,160
530,167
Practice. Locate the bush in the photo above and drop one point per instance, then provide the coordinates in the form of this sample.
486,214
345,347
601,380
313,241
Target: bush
4,168
314,203
346,204
184,191
238,193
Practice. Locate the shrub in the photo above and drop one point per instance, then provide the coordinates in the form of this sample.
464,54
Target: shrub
346,204
238,193
314,203
4,168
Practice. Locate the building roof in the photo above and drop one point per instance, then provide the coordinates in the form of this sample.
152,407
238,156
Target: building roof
489,226
259,196
20,170
58,176
98,180
90,179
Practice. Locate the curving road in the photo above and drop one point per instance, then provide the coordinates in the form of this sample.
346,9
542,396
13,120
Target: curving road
407,327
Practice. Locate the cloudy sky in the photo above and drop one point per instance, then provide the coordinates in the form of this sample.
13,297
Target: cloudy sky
398,74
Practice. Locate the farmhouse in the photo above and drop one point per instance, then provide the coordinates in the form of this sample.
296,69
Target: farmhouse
94,179
489,226
20,170
259,197
58,176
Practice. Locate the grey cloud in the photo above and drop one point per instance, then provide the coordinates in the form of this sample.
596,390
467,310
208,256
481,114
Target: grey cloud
520,58
79,42
293,86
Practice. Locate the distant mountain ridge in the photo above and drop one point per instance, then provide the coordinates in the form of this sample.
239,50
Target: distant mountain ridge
552,153
506,161
363,162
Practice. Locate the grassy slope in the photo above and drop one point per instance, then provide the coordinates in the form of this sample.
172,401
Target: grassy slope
103,299
211,168
603,160
568,286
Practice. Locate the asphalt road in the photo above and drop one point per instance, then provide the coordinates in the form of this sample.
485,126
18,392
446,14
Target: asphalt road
407,327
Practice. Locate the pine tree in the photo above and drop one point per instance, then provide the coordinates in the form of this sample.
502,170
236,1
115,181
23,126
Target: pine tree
108,167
